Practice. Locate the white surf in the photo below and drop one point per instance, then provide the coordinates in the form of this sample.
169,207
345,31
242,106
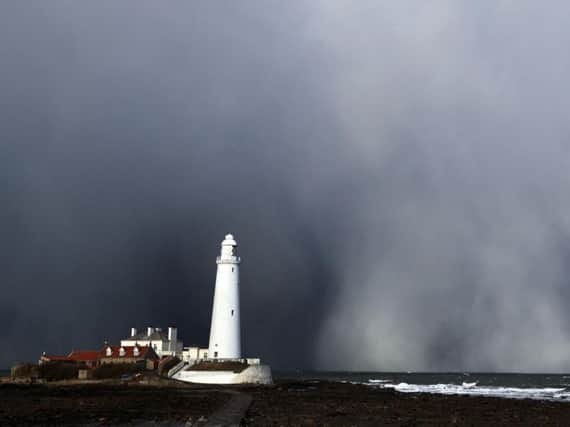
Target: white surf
472,389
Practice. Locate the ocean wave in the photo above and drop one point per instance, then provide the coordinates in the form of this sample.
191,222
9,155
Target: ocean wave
472,389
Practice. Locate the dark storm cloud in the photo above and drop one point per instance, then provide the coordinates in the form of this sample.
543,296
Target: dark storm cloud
135,136
396,177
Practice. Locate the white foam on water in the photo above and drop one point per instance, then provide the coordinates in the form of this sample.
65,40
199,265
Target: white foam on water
469,385
373,381
472,389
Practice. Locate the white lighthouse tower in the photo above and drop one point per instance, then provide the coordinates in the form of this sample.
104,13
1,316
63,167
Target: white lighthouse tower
225,337
221,366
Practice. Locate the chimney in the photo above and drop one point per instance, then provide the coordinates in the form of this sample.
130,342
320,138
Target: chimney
171,333
133,332
149,330
172,338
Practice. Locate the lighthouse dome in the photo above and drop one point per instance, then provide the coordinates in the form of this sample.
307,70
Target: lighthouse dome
229,240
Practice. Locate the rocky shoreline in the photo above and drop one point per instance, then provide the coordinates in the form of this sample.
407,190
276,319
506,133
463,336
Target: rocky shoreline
285,403
338,404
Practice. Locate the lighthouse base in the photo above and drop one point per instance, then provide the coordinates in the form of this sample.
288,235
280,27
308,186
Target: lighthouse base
253,374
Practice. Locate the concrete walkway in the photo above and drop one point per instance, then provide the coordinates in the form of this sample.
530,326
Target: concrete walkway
231,414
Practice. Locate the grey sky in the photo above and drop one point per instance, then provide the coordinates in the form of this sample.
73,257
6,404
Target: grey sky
396,176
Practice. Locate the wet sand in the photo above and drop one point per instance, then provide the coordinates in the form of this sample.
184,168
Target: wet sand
285,403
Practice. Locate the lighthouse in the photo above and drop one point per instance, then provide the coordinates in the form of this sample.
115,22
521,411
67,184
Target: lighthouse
224,363
225,336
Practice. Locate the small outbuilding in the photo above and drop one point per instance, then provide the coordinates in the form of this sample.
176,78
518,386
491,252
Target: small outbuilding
89,358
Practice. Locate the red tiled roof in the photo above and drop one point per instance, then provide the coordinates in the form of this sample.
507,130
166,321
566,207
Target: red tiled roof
94,355
129,351
75,356
54,358
84,355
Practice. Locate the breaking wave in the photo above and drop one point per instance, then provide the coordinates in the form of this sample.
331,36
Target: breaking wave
472,389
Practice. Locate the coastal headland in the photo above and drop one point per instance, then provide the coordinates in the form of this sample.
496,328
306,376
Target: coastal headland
166,402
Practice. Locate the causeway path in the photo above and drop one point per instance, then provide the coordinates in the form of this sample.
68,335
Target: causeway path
231,414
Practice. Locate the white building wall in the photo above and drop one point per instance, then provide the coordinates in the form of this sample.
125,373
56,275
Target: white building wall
257,374
191,354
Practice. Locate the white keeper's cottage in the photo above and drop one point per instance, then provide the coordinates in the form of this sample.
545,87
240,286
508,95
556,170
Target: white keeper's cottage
163,343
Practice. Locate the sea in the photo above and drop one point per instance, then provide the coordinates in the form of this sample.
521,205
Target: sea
555,387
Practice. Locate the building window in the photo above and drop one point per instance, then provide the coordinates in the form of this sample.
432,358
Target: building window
232,313
232,269
215,354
